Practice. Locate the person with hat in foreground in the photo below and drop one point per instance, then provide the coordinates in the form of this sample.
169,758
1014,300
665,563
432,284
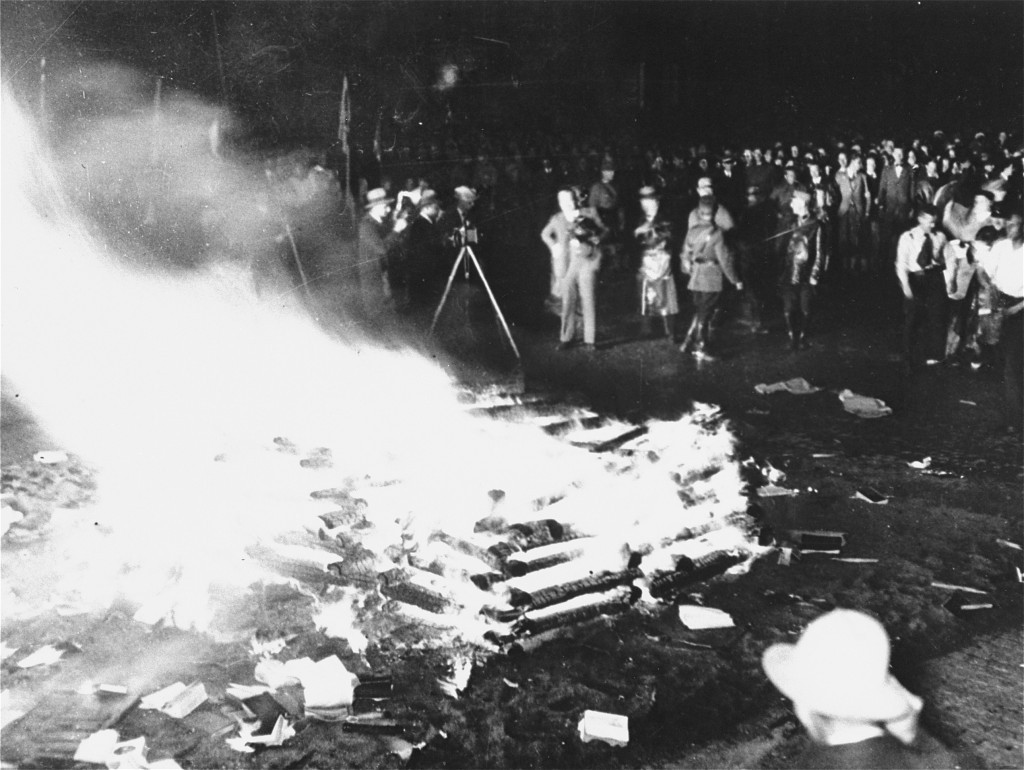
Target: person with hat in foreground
857,715
378,237
706,260
658,295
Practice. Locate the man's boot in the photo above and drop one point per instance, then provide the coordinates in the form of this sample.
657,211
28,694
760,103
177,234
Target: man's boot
691,337
670,327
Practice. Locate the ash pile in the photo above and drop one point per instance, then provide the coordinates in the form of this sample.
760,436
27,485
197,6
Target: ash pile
664,511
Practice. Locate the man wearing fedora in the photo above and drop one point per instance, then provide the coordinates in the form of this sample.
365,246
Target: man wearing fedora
377,238
857,715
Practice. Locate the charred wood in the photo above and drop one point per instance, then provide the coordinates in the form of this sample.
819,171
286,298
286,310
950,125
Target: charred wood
552,595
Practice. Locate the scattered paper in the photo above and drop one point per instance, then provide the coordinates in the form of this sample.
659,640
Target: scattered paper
6,652
187,701
785,556
771,490
129,755
243,691
854,560
44,656
462,669
863,406
328,689
510,683
157,700
50,457
822,455
164,764
951,587
872,496
1009,544
277,674
698,618
921,464
797,386
613,729
97,748
282,731
969,403
967,607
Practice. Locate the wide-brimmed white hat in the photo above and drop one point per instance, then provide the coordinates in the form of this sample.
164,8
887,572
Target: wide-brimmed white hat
840,667
465,193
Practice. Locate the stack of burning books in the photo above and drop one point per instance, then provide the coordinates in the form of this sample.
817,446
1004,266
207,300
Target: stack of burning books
666,512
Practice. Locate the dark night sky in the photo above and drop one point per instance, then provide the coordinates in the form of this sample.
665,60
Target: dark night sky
722,69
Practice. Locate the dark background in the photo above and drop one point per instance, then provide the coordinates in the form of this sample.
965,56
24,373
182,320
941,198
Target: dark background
694,71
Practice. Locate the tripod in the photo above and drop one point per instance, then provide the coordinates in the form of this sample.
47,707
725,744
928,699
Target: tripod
464,253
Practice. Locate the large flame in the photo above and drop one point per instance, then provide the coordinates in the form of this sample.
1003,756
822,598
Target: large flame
175,386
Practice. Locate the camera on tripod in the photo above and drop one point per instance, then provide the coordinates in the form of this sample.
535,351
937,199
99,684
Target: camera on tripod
463,236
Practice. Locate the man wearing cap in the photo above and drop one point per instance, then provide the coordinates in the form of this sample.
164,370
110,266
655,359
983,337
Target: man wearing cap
706,260
604,197
857,715
378,236
723,217
804,252
658,296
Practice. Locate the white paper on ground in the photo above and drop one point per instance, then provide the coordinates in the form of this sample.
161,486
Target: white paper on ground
921,464
243,691
601,726
697,618
163,696
185,702
129,755
328,684
798,386
951,587
97,748
44,656
6,652
771,490
280,733
855,560
863,406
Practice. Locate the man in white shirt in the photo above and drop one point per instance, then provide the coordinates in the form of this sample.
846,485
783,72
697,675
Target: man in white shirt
1004,269
919,266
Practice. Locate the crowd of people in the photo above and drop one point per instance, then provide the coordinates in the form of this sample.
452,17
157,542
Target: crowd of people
937,218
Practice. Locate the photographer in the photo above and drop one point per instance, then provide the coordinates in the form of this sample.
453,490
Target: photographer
579,285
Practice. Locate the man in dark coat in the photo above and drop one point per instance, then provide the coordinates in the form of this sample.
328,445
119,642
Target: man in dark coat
422,261
895,203
377,238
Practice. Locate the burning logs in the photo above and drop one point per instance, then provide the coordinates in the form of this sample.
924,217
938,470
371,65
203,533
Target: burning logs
417,587
556,594
689,571
577,610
